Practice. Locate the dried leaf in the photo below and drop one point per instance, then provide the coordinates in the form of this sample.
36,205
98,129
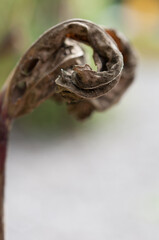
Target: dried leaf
55,66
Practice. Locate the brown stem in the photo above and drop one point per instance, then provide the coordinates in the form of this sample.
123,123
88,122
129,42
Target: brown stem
4,129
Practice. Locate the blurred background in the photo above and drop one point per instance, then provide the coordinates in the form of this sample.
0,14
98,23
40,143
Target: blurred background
92,180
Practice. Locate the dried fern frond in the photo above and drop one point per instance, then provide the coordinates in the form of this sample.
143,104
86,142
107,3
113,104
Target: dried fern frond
55,67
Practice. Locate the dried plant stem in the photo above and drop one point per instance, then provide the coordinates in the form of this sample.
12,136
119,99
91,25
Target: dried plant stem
55,67
4,129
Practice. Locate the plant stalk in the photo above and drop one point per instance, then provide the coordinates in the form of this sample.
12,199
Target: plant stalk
4,130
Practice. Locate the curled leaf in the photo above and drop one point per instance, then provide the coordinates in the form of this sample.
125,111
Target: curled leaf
127,76
55,67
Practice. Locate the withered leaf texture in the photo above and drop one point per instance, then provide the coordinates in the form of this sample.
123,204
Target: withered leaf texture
55,67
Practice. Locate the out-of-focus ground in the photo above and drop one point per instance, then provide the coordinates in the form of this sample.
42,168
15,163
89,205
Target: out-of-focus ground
99,182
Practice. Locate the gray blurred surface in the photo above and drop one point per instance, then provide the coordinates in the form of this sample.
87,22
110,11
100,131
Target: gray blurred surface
98,183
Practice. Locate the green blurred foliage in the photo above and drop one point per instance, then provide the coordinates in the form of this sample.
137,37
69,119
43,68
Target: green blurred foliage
25,20
88,9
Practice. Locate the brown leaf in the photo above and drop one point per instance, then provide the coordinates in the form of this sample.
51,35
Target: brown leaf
55,65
